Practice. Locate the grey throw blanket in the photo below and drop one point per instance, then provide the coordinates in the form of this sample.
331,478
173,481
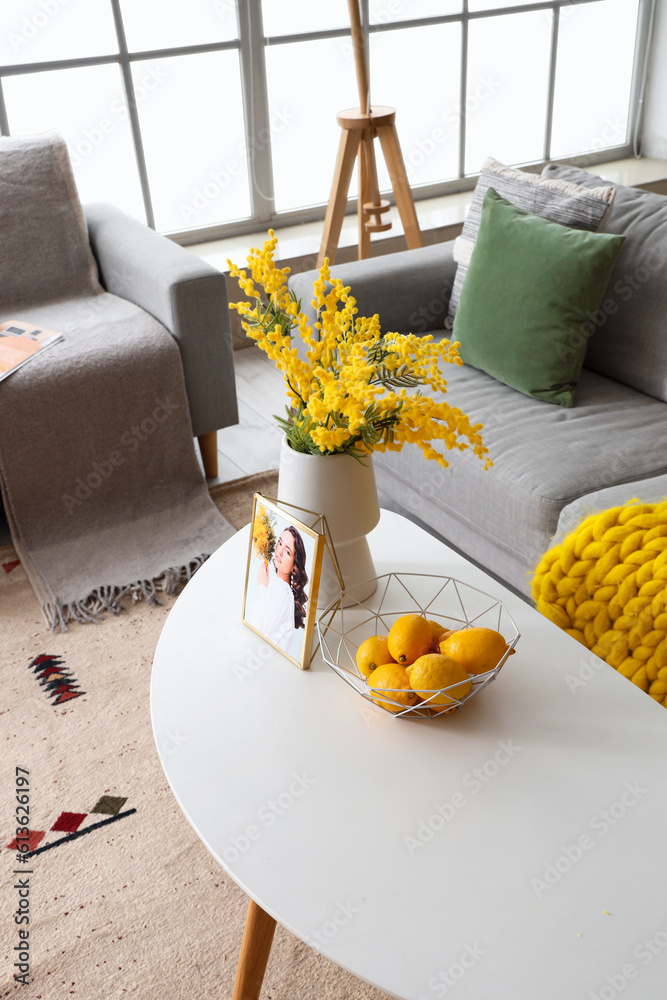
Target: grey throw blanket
98,473
99,478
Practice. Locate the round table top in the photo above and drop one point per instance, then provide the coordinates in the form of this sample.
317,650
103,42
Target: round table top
514,848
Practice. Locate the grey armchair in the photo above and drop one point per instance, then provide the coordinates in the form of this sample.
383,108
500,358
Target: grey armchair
98,472
188,297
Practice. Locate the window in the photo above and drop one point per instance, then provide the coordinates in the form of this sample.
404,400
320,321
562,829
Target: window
218,117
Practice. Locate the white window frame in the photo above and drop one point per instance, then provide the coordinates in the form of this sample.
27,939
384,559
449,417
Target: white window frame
251,45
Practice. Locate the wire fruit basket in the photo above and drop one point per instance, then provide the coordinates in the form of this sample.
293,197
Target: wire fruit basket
455,604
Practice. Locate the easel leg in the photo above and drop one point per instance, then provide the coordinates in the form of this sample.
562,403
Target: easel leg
255,949
364,196
393,157
333,220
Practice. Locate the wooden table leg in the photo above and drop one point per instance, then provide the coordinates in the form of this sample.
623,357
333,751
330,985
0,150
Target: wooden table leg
255,949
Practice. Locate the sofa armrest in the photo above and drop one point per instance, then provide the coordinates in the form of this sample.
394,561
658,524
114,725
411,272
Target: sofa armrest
182,292
408,290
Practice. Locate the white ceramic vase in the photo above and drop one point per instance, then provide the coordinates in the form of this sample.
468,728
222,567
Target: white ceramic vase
345,491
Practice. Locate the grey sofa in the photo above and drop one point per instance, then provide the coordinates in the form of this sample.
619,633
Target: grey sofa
551,465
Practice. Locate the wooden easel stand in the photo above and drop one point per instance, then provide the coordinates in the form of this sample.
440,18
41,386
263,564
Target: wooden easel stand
360,126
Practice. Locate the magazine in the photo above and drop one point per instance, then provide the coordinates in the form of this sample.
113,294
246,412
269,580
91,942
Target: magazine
20,341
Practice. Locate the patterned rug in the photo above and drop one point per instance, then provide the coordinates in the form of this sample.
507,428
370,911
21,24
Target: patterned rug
116,893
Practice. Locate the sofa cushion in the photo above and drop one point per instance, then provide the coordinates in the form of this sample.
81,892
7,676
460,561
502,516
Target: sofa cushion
555,199
627,336
652,490
545,457
530,283
45,254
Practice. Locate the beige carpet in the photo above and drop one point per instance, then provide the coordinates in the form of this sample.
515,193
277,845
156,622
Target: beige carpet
136,906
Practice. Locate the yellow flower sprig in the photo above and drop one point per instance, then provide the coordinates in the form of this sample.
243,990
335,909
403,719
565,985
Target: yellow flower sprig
263,533
350,388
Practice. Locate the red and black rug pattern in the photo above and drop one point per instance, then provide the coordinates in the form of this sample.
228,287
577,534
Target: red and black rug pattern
9,565
72,825
55,678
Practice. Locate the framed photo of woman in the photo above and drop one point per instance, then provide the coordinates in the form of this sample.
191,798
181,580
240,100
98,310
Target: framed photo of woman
282,579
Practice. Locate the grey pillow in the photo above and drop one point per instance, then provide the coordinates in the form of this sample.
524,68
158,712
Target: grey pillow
555,199
627,336
44,253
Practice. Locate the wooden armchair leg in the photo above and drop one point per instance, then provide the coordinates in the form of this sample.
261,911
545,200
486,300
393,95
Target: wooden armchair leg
208,446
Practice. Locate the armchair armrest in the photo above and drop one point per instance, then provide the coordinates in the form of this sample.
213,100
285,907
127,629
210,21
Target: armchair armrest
408,290
182,292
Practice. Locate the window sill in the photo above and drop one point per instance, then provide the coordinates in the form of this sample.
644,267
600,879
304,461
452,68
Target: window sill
439,218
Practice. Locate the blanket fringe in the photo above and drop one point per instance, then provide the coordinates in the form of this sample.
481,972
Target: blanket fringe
108,599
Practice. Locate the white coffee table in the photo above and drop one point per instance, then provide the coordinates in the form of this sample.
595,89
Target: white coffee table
514,850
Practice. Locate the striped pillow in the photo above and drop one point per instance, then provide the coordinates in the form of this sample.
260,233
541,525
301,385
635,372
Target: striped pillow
552,198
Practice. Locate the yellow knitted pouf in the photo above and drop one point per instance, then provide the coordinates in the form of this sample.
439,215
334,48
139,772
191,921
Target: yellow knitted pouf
606,584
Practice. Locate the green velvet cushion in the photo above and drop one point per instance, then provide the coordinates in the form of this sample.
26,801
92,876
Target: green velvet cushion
529,297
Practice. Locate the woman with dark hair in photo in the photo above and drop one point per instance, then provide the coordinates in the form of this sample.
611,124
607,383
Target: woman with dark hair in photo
280,608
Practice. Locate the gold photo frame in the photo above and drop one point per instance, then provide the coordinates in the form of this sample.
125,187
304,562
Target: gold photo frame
285,554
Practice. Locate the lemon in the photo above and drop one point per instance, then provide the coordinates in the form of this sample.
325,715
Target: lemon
476,649
392,678
371,653
434,671
409,638
438,631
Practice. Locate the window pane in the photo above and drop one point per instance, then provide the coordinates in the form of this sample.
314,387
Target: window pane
497,4
289,17
286,17
88,108
35,31
426,96
595,58
384,11
305,135
194,141
508,69
156,24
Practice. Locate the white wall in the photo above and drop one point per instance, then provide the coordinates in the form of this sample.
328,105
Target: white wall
654,128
